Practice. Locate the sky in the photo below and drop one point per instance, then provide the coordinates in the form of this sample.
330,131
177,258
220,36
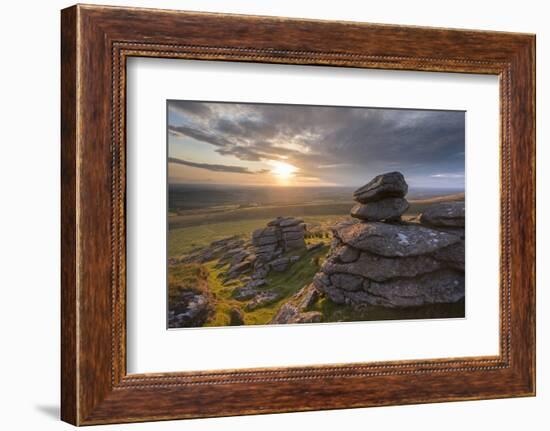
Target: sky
302,145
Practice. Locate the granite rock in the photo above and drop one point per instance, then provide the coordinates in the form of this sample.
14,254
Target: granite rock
389,185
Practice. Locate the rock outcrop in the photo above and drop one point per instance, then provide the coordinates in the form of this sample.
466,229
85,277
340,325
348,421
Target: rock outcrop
295,309
381,260
227,247
447,214
281,234
193,310
191,303
262,299
265,254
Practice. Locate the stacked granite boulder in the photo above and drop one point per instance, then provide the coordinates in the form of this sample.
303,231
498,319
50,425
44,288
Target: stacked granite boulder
281,234
383,198
261,256
377,259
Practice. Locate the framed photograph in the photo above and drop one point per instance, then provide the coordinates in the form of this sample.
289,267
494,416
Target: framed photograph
323,214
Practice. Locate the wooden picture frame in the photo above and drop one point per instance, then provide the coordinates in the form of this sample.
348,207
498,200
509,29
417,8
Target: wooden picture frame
95,43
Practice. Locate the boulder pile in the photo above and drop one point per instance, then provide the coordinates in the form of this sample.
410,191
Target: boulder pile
378,259
264,253
281,234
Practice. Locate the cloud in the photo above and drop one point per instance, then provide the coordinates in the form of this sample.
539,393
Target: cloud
215,167
349,144
185,108
198,134
447,176
243,153
334,165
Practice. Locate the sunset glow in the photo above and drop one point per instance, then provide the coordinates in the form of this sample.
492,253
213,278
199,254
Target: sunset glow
312,146
283,170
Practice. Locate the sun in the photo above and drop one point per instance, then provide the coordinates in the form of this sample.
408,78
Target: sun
283,170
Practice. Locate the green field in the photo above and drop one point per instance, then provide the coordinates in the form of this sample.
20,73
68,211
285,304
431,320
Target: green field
215,216
183,240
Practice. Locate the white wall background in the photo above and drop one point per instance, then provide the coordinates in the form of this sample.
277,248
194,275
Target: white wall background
29,216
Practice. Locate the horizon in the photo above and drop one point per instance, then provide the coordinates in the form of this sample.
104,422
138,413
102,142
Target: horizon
220,185
264,145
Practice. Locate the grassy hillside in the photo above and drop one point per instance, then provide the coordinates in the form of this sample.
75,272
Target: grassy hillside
199,228
207,277
187,277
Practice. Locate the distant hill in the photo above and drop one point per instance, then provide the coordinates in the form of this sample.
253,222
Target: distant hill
435,199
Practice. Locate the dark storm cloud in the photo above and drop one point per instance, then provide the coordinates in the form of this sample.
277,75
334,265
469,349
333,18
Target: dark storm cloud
398,136
215,168
198,134
197,109
243,153
340,141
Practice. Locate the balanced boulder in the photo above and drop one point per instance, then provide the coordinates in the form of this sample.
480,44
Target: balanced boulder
383,198
390,185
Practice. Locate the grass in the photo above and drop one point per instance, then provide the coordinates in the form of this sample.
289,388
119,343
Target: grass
222,297
182,277
237,214
268,212
183,240
286,284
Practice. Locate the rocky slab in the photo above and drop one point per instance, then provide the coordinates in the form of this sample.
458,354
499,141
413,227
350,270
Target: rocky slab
439,287
394,240
385,209
261,300
381,268
454,255
449,214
